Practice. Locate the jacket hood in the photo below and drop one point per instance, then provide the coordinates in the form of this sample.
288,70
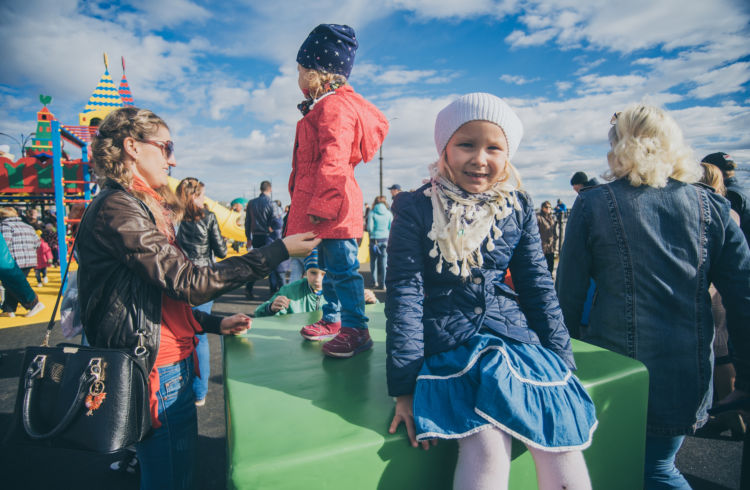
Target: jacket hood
380,208
374,126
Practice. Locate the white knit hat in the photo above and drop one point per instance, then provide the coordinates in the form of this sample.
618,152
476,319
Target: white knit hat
478,107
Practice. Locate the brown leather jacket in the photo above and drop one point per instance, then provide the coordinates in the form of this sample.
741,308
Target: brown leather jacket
126,263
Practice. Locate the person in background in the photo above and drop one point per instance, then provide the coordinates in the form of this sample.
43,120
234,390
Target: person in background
724,372
238,206
43,260
49,235
737,195
338,129
15,283
258,229
580,180
304,295
548,233
200,238
654,242
379,227
560,208
22,243
128,257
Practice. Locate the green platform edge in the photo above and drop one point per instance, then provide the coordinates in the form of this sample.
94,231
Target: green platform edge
298,420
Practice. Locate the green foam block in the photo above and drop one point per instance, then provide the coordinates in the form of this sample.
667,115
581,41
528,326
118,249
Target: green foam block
299,420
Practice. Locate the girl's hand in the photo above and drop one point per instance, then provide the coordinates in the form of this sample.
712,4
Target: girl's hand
235,324
404,413
301,244
316,220
280,303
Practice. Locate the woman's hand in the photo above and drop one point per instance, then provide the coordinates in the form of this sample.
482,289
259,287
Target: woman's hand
280,303
301,244
404,413
235,324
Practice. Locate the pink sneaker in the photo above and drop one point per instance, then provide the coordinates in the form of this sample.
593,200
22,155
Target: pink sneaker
348,342
320,330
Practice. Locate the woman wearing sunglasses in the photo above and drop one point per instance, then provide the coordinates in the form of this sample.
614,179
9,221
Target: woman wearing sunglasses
136,286
653,241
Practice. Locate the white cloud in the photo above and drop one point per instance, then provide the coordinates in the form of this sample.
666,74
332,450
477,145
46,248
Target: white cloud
440,9
517,80
725,80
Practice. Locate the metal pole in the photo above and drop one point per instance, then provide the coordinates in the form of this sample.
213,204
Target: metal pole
381,171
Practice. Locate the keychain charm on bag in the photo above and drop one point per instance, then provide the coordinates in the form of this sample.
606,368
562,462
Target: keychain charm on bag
96,391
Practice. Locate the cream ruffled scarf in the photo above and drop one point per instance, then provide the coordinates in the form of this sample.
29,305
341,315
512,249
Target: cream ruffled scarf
462,220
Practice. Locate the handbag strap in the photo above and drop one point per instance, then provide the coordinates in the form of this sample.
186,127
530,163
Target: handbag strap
51,324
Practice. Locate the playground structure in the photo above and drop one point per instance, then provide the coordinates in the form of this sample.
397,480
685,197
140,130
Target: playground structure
46,175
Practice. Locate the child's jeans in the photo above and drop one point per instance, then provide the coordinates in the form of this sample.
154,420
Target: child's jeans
343,285
40,274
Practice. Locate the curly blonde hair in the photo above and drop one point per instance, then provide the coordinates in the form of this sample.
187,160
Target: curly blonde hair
319,82
712,176
648,148
110,162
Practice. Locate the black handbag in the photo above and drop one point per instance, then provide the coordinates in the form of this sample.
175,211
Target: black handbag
85,398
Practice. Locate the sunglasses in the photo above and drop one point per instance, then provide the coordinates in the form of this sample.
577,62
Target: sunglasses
166,147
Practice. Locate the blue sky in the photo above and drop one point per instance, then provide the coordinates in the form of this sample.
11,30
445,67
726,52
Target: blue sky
223,76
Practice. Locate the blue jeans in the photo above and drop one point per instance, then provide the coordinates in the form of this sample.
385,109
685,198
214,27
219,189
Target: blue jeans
378,259
167,456
660,471
200,384
343,285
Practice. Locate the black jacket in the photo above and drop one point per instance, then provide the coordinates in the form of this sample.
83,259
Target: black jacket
126,264
259,217
201,240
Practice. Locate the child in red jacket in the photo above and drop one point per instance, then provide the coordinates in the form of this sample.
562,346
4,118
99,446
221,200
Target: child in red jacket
43,260
339,129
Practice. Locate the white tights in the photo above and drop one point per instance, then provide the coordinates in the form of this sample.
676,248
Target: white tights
484,464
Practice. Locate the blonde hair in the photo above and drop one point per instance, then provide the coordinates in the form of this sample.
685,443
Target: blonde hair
8,212
647,147
712,176
319,82
110,159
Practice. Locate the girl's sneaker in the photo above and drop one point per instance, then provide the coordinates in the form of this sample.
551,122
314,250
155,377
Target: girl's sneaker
45,280
348,342
39,306
320,330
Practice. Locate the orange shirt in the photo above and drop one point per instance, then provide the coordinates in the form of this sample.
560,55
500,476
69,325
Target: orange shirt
178,329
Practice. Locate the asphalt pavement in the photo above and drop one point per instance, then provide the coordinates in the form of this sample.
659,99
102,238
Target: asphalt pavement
709,463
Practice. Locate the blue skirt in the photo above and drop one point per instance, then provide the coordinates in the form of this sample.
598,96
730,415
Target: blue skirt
522,389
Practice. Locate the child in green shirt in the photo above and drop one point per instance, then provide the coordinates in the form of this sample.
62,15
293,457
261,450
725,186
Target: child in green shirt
304,295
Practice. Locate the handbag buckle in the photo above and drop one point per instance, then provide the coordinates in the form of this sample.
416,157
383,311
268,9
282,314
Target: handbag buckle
38,366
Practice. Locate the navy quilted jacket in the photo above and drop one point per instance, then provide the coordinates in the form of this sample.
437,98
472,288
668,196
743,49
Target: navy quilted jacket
428,313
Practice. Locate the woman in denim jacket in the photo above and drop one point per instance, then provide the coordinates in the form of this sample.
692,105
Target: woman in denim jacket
653,243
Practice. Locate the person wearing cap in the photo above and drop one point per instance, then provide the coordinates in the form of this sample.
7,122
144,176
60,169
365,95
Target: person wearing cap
454,328
737,195
580,181
395,189
338,129
655,240
304,295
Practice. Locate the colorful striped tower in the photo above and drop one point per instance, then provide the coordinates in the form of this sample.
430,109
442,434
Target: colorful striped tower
127,97
104,99
42,142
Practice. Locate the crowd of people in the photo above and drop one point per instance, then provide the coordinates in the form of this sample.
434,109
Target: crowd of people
470,354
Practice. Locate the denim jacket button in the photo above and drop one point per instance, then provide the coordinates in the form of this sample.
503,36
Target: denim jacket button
478,310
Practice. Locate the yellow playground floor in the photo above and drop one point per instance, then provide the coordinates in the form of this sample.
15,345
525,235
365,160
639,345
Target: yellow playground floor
47,295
